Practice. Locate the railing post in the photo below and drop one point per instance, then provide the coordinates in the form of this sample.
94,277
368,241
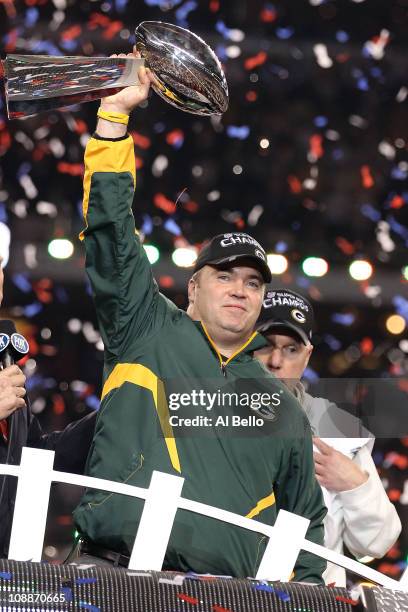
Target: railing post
156,522
31,507
283,547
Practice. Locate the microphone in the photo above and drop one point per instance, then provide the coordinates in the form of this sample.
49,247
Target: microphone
13,346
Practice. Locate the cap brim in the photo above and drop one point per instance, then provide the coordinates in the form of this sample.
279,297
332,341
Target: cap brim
267,326
259,264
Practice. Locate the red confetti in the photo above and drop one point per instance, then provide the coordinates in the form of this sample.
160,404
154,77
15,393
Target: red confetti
316,147
166,282
352,602
160,201
394,495
175,137
251,95
220,609
390,569
192,600
294,184
58,406
268,15
366,177
72,169
71,33
141,141
366,346
397,201
80,126
112,30
255,61
191,206
214,6
345,246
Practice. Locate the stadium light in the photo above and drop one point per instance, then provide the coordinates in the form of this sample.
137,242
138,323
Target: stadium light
315,266
184,257
278,264
60,248
360,270
152,252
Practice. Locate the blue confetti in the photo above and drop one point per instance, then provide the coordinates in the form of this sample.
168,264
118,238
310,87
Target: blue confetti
221,53
32,309
147,226
398,174
171,226
342,36
396,227
338,154
86,580
311,375
31,16
23,170
67,593
320,121
362,84
45,46
240,132
69,45
369,211
21,281
183,11
284,33
3,213
333,342
6,575
120,5
93,402
281,246
222,29
264,587
346,318
401,306
168,4
282,595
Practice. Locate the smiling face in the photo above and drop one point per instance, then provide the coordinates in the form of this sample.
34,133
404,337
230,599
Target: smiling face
286,356
227,301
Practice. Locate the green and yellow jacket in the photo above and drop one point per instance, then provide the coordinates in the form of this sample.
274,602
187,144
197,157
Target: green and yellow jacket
153,350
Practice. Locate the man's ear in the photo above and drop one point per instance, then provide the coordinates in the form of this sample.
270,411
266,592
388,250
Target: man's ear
192,283
308,354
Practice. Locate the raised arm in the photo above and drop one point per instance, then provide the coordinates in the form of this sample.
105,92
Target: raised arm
125,293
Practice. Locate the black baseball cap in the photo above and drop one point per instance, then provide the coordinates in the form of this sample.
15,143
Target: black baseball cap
228,248
286,309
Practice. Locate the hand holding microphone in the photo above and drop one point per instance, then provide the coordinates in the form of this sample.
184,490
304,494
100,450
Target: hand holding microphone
13,347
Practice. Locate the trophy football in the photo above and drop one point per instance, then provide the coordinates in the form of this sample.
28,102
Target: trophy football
188,74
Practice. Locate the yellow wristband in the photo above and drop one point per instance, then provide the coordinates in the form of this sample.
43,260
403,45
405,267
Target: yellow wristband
113,117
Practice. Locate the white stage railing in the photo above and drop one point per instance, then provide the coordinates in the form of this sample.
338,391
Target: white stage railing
162,499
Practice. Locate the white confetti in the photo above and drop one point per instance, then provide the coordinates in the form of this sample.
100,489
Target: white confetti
30,256
386,149
29,188
46,208
322,56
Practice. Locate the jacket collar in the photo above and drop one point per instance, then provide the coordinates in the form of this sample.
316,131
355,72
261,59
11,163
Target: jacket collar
256,341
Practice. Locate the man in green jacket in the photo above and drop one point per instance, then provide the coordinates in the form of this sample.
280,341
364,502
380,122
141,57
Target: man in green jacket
162,363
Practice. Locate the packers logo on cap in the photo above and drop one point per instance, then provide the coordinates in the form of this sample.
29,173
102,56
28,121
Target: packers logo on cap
298,316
